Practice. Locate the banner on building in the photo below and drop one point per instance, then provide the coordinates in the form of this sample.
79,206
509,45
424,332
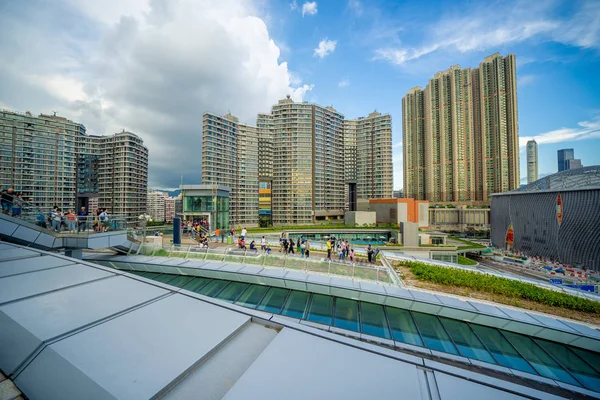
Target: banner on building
559,209
510,235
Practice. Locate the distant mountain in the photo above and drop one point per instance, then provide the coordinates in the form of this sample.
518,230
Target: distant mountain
172,193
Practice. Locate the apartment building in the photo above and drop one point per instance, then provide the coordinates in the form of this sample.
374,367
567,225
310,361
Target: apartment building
52,161
368,155
170,207
460,133
156,205
229,158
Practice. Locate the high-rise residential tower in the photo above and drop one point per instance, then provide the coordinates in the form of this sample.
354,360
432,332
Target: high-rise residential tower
532,161
52,161
368,155
156,205
460,134
229,158
308,163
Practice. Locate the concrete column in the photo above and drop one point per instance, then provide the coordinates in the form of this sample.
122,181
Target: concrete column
75,253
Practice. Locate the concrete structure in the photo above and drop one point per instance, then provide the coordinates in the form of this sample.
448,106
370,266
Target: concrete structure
52,161
556,217
398,194
156,205
574,163
432,238
564,155
532,161
360,218
83,330
395,211
455,148
208,203
459,219
410,233
229,157
368,155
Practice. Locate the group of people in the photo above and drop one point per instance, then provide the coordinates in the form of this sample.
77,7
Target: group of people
342,249
12,202
57,220
302,245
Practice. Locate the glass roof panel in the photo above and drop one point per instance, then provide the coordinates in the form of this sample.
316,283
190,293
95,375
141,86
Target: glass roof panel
434,335
374,321
213,287
501,349
403,327
466,341
232,291
195,284
273,300
295,305
252,296
320,309
346,314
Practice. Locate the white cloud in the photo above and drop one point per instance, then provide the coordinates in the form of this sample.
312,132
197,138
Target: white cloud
397,145
524,80
489,27
293,5
325,48
152,67
309,8
585,130
344,83
355,6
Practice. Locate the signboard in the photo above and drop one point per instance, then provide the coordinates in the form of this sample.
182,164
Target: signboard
586,288
510,235
559,209
556,281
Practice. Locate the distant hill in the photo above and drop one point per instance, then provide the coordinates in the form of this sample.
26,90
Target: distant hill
172,193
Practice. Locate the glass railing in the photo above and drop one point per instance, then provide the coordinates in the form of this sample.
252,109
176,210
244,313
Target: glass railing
62,223
359,271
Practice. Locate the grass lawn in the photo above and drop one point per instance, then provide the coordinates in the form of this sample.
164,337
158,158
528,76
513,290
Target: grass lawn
466,261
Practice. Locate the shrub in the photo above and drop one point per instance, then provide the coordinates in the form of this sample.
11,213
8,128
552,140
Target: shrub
493,284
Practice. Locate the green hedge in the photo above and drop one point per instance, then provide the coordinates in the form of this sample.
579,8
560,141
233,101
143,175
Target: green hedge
466,261
503,286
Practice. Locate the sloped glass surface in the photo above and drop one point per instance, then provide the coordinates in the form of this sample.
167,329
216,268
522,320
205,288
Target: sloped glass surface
373,320
196,284
346,314
180,281
295,304
434,335
577,367
539,359
465,340
252,296
501,349
592,358
273,300
320,309
232,291
150,275
403,327
165,278
213,287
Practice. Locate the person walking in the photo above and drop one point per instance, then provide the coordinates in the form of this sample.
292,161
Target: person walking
281,239
104,223
303,248
351,255
71,218
306,248
285,246
244,232
291,246
82,220
369,253
263,244
217,234
328,249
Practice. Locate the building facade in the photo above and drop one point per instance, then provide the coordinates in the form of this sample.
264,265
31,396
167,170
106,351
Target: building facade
368,155
564,155
170,207
156,205
229,158
460,134
532,161
555,217
52,161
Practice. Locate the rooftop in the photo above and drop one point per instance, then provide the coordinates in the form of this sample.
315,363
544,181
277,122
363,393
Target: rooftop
572,179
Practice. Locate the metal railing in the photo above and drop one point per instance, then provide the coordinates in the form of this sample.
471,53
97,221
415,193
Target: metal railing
355,271
62,224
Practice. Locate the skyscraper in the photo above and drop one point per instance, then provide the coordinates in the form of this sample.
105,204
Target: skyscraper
460,134
156,205
52,161
229,157
532,161
368,155
564,155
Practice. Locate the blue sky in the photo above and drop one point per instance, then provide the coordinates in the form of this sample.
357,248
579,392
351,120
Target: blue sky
154,66
556,43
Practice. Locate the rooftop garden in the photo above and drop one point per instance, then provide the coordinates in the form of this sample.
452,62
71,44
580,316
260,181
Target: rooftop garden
500,290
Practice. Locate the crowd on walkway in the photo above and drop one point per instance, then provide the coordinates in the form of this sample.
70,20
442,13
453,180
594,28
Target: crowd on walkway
57,220
12,202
